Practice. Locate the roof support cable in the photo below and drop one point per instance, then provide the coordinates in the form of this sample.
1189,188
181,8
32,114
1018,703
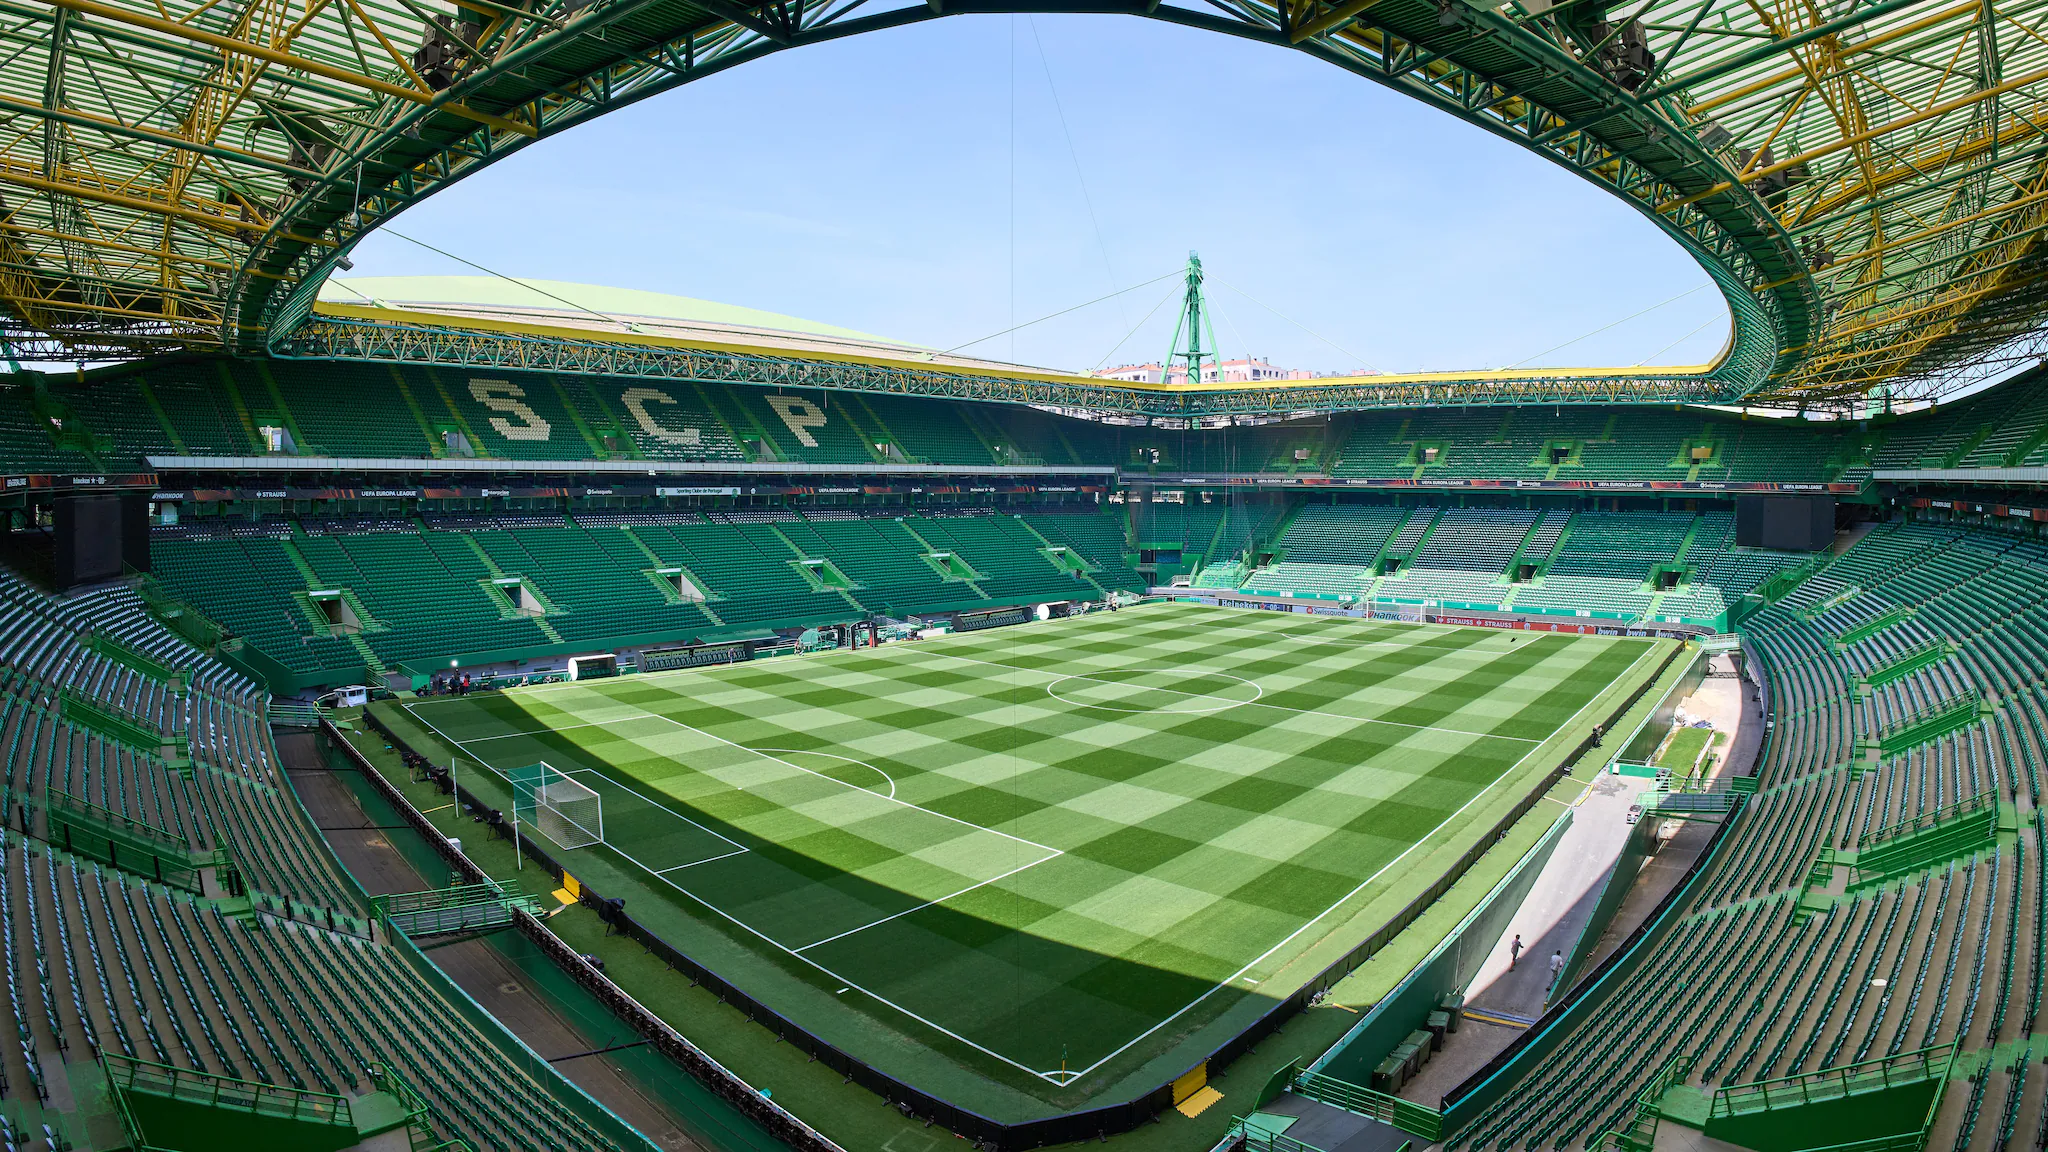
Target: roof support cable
507,279
1242,343
1073,154
1061,312
1298,324
1605,327
1170,294
1675,343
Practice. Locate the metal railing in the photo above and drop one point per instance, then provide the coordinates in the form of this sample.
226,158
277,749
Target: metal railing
464,908
1927,723
1913,1141
1682,801
1907,662
112,838
111,721
152,1079
1410,1117
1835,1083
1922,821
114,823
120,652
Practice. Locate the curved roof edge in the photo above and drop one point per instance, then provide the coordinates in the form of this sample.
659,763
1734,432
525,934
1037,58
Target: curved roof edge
529,296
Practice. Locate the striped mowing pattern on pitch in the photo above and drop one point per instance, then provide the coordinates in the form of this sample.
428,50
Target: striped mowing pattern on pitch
1051,841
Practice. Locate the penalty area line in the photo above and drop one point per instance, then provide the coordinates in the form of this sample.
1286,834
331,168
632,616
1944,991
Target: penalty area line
850,984
604,776
929,903
777,944
694,863
857,788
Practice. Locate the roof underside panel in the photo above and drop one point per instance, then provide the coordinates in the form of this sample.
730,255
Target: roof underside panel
1863,181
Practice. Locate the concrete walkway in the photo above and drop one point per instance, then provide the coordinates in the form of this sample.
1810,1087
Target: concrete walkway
1555,912
1549,920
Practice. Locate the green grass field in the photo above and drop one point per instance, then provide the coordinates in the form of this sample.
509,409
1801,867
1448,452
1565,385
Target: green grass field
1683,750
1054,843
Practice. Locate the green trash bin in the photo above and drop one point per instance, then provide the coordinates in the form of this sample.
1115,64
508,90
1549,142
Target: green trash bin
1424,1046
1453,1005
1438,1024
1411,1057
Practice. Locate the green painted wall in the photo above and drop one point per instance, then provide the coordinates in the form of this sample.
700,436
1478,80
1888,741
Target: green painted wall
1842,1120
185,1126
1447,969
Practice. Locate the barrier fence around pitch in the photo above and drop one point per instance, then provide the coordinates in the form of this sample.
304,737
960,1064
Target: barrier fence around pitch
1480,614
722,1082
1094,1123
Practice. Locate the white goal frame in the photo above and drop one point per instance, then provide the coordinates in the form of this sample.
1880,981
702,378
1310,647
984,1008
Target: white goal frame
562,808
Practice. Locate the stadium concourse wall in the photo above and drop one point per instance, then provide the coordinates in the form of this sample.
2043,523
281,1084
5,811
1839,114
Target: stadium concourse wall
1092,1123
1620,881
771,1116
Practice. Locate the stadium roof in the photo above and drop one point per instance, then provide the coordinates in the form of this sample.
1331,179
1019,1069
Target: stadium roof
543,309
1864,181
488,295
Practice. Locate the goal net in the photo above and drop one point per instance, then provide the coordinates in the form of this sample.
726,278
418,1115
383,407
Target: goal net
563,809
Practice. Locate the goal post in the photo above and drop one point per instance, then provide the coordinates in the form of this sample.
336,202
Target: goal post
564,809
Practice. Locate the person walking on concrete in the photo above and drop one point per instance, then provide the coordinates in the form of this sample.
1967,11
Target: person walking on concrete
1515,952
1556,967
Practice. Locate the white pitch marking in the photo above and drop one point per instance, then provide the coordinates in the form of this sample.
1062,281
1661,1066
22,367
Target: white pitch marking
1263,704
841,783
928,903
863,989
837,756
706,860
822,654
1258,690
1259,959
510,735
773,942
600,775
1062,1076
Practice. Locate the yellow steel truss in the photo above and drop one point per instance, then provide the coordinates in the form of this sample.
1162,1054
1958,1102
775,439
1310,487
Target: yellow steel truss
1864,178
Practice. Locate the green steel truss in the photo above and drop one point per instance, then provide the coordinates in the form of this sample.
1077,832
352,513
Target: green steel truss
338,338
1863,181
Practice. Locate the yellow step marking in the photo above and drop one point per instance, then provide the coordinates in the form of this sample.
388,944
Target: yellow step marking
1199,1103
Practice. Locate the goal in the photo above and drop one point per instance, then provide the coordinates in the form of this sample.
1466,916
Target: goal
565,810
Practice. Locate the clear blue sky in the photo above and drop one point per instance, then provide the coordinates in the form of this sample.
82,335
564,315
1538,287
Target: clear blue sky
868,183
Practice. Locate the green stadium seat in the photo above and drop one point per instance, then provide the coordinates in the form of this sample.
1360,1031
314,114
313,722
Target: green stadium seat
100,960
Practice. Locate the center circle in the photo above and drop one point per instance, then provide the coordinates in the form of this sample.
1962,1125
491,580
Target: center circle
1155,689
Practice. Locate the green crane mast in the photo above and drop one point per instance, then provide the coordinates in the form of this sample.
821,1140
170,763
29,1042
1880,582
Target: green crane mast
1190,331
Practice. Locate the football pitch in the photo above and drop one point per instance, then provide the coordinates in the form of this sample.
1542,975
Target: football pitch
1056,843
